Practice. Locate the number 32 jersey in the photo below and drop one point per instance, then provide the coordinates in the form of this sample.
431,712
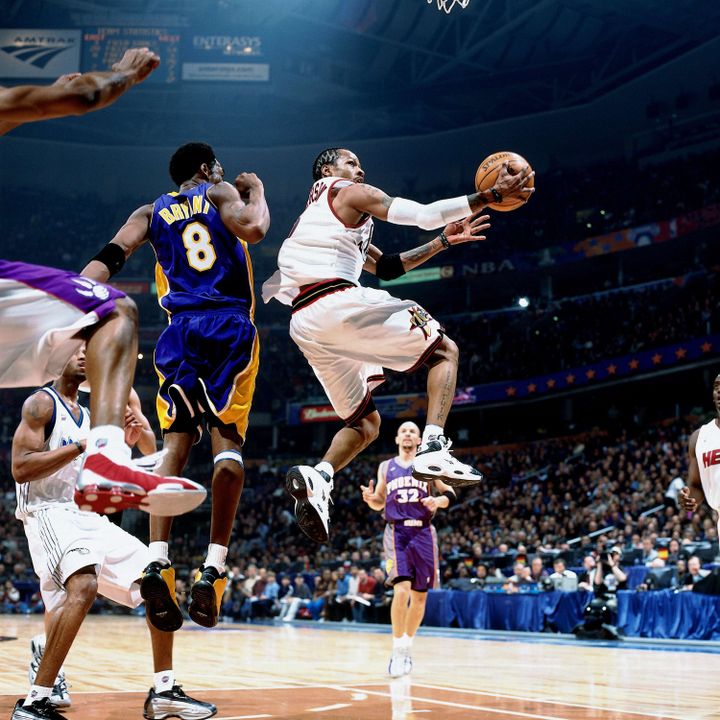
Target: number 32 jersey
201,265
404,493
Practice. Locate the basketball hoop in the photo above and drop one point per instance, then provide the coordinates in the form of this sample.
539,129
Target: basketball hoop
448,5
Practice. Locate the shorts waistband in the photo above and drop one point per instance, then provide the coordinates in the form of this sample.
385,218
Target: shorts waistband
310,293
414,522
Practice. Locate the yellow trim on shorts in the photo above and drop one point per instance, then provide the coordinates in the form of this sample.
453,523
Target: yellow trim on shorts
237,408
248,265
162,406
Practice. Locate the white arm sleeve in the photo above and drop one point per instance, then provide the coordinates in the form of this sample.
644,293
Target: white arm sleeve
428,217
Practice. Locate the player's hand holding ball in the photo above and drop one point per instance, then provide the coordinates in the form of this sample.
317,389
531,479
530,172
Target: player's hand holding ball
137,62
508,177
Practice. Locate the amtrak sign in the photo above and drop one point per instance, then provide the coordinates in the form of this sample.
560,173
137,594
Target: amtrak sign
39,53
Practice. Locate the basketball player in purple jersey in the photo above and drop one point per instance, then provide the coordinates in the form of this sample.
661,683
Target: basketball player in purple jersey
410,541
207,357
46,314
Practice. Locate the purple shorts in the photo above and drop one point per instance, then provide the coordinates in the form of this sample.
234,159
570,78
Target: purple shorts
41,312
411,554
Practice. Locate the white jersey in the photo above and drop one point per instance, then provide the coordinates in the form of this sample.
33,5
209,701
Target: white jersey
320,246
58,488
707,452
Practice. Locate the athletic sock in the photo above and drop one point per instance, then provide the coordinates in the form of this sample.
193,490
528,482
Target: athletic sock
37,692
159,552
431,431
216,556
164,680
398,643
325,467
408,640
106,436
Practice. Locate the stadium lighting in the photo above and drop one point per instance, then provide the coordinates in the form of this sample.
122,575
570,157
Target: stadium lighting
523,302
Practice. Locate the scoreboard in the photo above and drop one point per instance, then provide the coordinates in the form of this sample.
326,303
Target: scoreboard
103,46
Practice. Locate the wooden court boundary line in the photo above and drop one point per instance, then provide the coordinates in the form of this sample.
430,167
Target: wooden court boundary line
548,701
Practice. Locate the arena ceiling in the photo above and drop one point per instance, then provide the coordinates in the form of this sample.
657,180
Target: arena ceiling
371,68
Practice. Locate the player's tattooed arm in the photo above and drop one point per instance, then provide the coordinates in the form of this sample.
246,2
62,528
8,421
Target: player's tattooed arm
30,460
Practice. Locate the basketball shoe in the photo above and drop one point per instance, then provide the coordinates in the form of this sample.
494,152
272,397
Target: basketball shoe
435,462
157,588
60,696
175,703
109,481
400,662
311,490
38,710
206,596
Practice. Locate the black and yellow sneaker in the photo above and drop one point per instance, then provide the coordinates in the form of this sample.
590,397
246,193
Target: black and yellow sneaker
157,588
206,596
175,703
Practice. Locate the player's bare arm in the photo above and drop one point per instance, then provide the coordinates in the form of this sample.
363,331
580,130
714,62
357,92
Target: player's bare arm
30,460
352,201
468,230
440,500
691,496
243,208
127,240
81,94
137,426
374,495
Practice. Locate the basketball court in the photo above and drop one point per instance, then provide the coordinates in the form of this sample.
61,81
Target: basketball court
329,671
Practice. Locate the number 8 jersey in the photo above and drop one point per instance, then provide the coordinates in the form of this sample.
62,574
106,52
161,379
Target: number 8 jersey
201,265
403,494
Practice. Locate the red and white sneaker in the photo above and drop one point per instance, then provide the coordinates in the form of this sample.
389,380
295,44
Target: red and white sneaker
109,482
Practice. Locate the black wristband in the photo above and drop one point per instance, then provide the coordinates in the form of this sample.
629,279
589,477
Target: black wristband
452,498
496,195
443,239
389,267
112,256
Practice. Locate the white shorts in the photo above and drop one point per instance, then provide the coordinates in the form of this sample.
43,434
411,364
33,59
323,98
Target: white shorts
63,539
348,336
41,311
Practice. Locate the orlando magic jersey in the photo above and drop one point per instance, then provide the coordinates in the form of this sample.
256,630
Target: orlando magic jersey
403,494
201,265
59,487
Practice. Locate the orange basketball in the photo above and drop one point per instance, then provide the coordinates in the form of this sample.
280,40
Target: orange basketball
487,173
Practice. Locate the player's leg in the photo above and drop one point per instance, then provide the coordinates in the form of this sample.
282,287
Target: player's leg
228,479
158,580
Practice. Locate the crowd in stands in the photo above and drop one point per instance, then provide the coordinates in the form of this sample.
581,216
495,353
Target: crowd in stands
572,499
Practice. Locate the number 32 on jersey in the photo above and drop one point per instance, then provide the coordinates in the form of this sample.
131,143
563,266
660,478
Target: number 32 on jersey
198,245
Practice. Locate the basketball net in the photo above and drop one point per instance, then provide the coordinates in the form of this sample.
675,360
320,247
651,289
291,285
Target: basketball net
448,5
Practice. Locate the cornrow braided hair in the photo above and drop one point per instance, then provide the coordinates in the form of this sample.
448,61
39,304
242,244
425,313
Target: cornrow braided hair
326,157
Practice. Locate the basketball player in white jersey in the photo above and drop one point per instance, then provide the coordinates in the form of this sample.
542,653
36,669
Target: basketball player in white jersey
45,314
77,554
703,481
349,333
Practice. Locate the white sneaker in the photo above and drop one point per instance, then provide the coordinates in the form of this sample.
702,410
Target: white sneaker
311,490
396,666
109,481
60,696
434,462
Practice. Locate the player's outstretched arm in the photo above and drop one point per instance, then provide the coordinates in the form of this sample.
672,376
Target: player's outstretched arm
126,241
138,432
366,199
467,230
243,208
30,460
374,495
81,94
692,496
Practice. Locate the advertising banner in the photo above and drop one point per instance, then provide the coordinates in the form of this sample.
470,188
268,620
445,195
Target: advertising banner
39,53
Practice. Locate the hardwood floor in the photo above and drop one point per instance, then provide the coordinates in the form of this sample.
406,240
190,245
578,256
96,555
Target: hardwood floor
338,671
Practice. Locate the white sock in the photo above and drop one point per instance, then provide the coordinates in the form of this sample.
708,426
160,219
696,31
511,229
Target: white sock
159,551
431,431
407,639
325,467
216,555
107,436
37,692
397,642
164,680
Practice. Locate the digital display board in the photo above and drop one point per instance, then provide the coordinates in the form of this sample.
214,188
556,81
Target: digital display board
103,46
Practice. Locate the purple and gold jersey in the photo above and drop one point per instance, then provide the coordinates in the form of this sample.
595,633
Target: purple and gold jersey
403,494
201,265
